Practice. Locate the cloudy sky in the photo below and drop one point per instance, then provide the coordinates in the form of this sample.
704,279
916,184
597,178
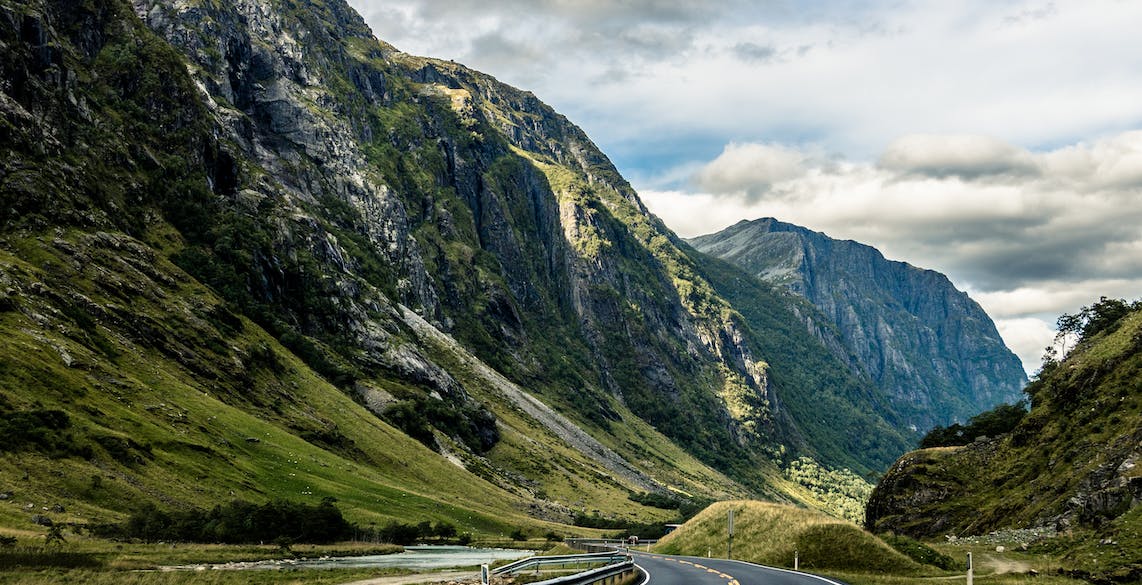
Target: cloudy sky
992,140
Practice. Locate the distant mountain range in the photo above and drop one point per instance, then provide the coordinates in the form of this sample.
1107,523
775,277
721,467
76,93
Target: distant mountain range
930,347
249,251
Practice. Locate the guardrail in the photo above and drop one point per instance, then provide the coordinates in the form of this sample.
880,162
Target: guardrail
608,575
605,544
608,558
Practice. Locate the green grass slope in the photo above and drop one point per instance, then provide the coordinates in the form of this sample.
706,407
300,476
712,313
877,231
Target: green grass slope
167,397
1070,464
770,534
171,399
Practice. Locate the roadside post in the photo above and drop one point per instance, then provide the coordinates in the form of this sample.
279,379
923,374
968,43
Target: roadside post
796,560
730,542
485,575
970,568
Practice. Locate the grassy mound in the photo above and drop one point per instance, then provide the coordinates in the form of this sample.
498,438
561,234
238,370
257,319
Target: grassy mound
770,534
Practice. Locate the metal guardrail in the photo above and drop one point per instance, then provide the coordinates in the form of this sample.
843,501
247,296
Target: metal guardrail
606,544
608,575
609,558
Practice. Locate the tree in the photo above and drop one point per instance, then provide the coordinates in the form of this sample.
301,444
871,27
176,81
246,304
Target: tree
1091,320
54,537
998,421
1067,325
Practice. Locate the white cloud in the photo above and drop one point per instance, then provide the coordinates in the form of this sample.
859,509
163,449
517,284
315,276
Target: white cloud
966,156
1111,163
751,169
1027,246
1028,337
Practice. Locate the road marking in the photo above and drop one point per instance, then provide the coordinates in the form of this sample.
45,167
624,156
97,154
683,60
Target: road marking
645,581
810,575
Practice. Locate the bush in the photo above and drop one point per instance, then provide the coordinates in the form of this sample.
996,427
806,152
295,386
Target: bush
235,523
31,559
46,431
397,533
649,530
998,421
920,552
474,426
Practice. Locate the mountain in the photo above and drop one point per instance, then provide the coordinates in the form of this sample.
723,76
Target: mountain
931,348
1070,466
249,251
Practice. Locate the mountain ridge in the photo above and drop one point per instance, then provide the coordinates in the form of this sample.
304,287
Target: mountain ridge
286,202
925,343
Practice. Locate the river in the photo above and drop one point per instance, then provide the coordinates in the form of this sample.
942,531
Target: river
417,558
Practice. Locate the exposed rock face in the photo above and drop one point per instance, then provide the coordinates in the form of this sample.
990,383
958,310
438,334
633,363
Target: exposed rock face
926,344
344,197
321,182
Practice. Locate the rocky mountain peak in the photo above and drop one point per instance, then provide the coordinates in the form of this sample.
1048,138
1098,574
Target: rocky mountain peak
927,344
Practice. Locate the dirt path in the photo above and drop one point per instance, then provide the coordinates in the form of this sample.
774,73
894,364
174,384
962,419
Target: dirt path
993,565
441,577
987,565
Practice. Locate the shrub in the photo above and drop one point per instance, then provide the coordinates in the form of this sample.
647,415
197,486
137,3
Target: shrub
235,523
997,421
920,552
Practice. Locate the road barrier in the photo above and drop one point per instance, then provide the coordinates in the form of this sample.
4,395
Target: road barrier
605,544
565,561
608,575
617,567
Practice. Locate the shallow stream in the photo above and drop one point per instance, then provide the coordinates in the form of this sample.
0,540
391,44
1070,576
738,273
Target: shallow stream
416,558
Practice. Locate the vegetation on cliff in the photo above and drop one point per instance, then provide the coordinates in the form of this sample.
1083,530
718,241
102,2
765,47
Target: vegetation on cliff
1069,465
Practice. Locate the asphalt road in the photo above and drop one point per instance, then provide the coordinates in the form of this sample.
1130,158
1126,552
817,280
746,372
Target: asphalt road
674,570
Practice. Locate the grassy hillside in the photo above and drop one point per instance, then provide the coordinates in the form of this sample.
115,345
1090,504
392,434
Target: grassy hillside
170,398
771,534
1069,465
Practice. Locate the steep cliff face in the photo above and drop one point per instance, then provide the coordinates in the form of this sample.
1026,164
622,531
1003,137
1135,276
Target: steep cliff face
494,217
926,344
450,254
